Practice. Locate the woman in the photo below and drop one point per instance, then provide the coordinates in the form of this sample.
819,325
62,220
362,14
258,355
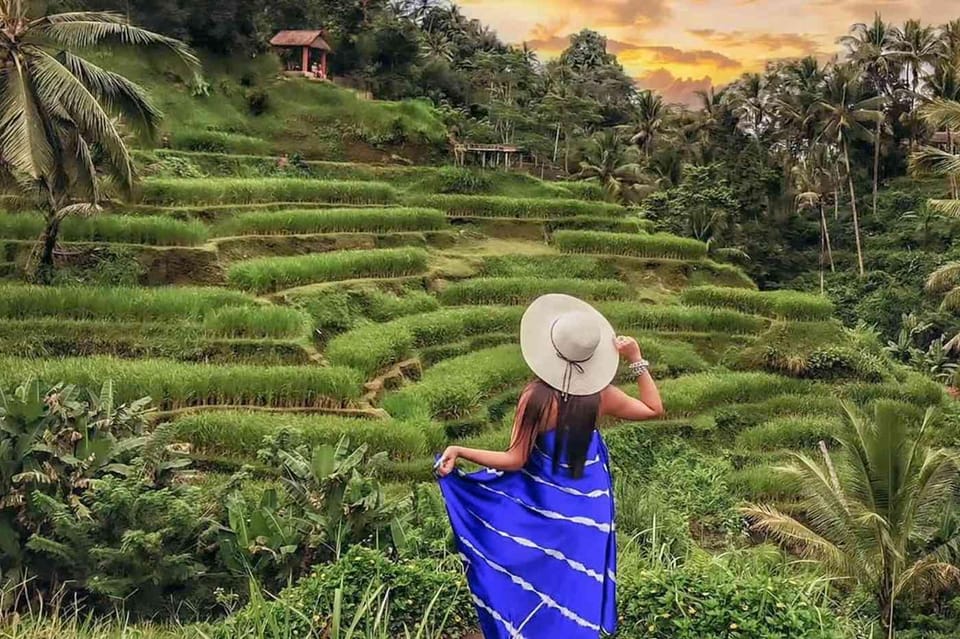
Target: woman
536,527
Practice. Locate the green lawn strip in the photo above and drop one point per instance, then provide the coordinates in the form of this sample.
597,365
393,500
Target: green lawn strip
334,220
268,274
175,384
792,305
181,303
157,230
240,433
177,191
511,207
647,245
523,290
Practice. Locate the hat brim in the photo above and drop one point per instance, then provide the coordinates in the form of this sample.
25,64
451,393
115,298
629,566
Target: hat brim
540,355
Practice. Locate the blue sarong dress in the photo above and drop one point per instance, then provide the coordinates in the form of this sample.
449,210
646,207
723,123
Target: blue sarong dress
539,546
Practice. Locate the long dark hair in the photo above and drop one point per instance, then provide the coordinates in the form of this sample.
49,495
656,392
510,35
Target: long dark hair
576,418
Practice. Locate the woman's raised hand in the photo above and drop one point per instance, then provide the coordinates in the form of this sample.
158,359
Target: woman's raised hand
628,348
447,461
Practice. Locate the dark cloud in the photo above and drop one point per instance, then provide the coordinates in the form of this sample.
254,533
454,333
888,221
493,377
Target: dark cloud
770,41
674,90
672,55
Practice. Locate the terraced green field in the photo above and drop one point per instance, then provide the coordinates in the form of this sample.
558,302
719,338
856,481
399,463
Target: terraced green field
373,307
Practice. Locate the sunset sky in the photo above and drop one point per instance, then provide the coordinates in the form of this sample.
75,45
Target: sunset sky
678,46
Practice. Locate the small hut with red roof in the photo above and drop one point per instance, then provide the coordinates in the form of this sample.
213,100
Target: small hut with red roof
304,52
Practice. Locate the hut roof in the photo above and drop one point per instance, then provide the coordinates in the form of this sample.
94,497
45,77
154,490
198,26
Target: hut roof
300,38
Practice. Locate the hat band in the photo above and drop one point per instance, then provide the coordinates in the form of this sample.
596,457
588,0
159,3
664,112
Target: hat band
571,364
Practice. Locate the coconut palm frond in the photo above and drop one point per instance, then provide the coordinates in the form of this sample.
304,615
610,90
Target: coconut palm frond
25,138
928,160
943,278
941,113
951,300
950,208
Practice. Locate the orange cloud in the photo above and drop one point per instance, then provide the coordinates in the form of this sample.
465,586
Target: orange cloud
802,43
697,57
673,89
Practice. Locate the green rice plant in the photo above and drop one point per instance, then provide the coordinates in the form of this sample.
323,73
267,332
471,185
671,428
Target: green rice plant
369,220
523,290
268,274
788,432
792,305
373,347
241,433
650,245
456,387
176,385
629,224
158,230
217,141
337,310
669,358
762,483
590,191
257,321
512,207
695,393
640,316
174,191
914,388
547,266
117,303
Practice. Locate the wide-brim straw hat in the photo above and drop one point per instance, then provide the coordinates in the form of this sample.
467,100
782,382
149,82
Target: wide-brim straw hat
569,344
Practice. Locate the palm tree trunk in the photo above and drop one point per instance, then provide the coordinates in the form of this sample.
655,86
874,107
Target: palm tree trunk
876,165
48,243
826,236
556,144
853,207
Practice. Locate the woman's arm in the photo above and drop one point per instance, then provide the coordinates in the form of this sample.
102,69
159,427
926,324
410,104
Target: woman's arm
514,458
616,403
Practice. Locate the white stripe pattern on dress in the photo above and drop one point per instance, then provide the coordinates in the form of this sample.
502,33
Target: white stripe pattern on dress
550,514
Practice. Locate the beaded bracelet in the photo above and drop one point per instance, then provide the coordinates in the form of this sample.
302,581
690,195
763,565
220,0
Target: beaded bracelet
640,367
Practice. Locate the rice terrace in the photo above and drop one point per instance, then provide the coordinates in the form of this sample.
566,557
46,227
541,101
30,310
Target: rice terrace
258,271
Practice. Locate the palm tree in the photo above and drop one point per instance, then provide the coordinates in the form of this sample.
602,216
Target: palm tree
56,109
612,162
844,109
870,46
813,180
750,100
918,48
873,514
648,120
945,163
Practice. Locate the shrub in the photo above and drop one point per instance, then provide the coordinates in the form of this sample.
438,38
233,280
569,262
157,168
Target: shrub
455,387
678,318
174,384
373,347
497,206
257,321
241,433
655,245
710,602
268,274
361,580
117,303
241,190
777,304
522,290
788,432
156,230
371,220
453,179
547,266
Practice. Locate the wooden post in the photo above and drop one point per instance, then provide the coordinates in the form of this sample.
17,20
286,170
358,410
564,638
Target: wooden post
323,64
305,60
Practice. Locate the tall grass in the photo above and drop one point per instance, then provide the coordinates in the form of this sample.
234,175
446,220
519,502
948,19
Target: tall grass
691,394
547,266
257,322
656,245
370,220
117,303
175,384
777,304
375,346
498,206
788,432
241,433
272,273
158,230
455,387
523,290
637,315
241,190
